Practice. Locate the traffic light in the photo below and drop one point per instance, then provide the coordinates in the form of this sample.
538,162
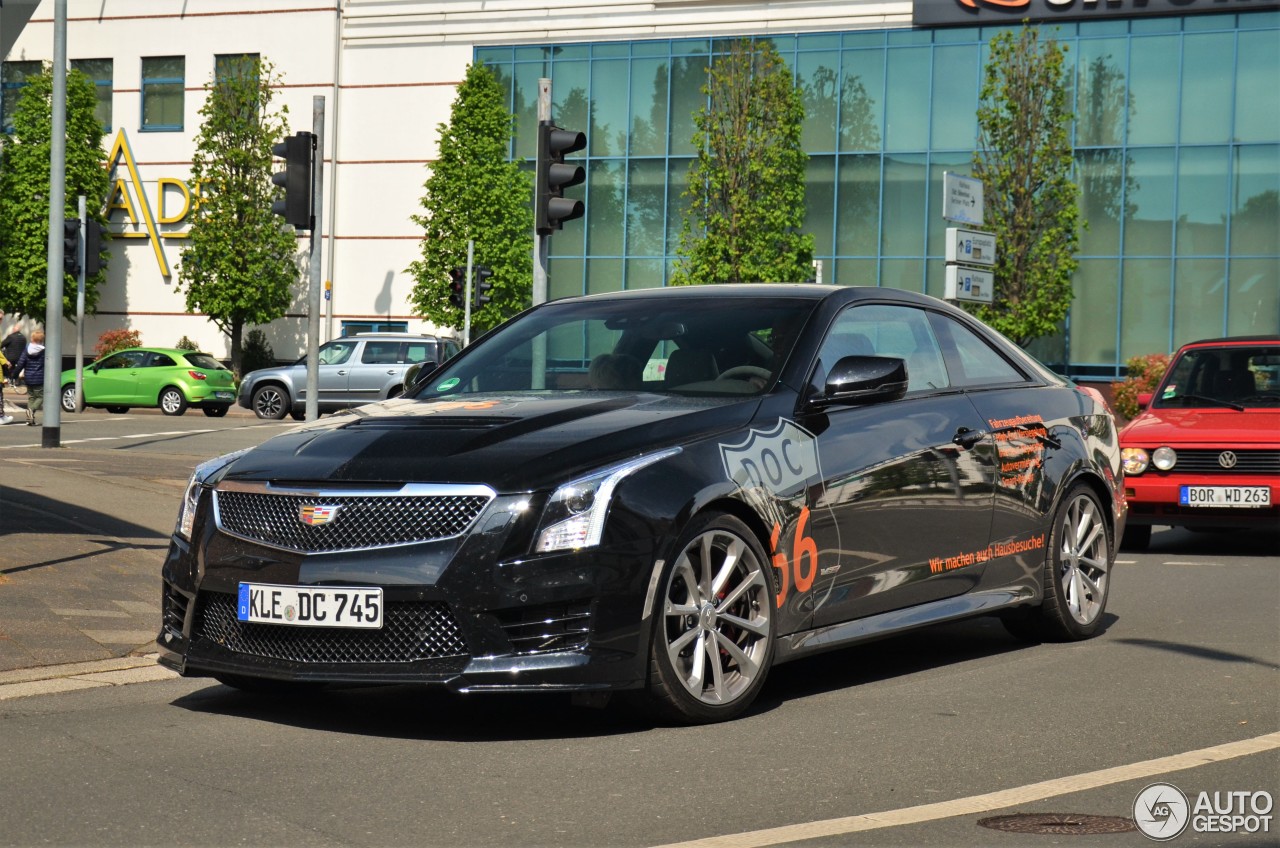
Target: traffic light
71,246
458,287
482,285
552,208
95,248
296,151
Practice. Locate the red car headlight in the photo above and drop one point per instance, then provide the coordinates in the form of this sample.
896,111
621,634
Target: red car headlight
1136,460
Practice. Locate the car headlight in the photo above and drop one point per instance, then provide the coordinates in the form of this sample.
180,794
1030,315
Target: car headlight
191,496
1135,460
574,517
1164,458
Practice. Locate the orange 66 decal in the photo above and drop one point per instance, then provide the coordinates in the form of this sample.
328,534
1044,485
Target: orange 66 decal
803,549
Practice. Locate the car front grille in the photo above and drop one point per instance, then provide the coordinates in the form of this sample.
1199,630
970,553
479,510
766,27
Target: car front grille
1246,461
347,521
411,632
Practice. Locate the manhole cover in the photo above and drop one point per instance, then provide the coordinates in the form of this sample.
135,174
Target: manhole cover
1059,823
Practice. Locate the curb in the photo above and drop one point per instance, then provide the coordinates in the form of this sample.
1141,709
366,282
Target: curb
51,679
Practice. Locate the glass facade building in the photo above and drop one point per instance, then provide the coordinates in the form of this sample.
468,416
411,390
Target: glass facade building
1177,147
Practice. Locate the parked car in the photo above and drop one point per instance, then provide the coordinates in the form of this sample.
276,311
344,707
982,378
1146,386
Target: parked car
163,377
660,493
1204,453
353,370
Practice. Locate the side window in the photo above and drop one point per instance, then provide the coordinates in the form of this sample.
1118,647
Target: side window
883,330
450,349
380,353
160,360
974,363
419,352
336,353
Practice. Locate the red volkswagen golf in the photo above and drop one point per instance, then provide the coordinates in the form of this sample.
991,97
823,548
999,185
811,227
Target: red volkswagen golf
1205,452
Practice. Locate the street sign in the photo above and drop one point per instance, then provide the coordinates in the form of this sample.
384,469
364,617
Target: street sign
961,199
971,246
969,284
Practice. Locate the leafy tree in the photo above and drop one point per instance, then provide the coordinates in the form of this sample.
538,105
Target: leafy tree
24,191
746,185
1024,160
473,192
240,264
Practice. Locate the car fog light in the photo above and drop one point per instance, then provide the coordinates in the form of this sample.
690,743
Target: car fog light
1135,460
1164,458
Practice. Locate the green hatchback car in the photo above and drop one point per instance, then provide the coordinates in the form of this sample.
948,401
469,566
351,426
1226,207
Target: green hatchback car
169,378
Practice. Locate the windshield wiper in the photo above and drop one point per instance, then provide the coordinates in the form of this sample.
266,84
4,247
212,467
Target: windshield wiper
1210,400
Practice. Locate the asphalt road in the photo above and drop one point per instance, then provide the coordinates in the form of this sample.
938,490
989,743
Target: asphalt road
906,741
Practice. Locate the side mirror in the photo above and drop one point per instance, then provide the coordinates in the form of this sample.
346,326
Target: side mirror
864,379
1144,399
416,373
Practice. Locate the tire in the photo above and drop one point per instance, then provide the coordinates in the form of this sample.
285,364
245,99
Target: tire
270,402
732,625
1076,575
117,410
172,401
1136,537
266,686
215,411
69,398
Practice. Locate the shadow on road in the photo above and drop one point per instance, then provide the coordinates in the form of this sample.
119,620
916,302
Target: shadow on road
28,512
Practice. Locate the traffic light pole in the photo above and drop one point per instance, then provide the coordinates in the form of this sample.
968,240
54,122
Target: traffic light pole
466,309
51,430
540,242
313,264
83,256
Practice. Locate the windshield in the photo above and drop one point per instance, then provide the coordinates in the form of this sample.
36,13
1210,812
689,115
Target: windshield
691,345
1236,376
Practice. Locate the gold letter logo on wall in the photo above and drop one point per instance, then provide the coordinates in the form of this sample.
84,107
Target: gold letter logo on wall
129,196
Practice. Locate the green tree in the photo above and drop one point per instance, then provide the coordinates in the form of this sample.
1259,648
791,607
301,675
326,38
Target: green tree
24,191
746,185
240,263
1024,160
473,192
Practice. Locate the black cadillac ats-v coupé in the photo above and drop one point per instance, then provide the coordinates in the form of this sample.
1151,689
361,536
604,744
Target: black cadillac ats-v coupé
661,493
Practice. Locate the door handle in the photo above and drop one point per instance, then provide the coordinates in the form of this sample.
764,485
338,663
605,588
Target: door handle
391,371
967,438
342,373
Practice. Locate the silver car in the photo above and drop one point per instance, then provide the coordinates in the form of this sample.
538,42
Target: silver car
354,370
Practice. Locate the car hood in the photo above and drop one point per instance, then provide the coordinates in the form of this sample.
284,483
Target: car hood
1209,427
511,443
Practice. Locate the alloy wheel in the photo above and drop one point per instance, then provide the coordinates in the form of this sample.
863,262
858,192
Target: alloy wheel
716,610
1084,559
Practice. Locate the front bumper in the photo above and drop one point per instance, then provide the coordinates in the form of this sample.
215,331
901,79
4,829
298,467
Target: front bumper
1154,498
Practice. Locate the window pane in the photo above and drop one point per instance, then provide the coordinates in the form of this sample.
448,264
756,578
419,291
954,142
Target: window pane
1257,94
99,71
604,200
858,209
13,76
569,84
1153,89
677,203
1145,311
1149,230
907,99
861,87
688,76
1093,313
955,82
975,363
1199,290
854,272
649,107
818,77
1101,92
604,275
905,274
524,105
904,204
162,92
609,110
564,277
1202,201
819,198
1102,184
646,214
1255,214
939,164
644,273
1206,100
1254,305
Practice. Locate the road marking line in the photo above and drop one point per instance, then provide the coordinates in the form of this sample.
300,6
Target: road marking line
66,442
990,801
1218,564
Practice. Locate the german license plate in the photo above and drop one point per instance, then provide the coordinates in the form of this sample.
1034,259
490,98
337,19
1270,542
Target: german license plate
1225,496
310,606
224,396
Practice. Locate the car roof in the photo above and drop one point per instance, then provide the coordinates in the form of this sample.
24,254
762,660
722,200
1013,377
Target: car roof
788,291
1235,340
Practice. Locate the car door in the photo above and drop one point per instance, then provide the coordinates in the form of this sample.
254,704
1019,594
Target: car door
156,373
334,372
115,379
904,515
378,366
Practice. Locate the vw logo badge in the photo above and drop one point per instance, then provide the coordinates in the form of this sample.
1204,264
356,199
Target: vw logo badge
315,514
1227,459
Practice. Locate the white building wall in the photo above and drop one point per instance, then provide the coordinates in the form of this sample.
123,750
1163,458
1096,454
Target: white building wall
388,71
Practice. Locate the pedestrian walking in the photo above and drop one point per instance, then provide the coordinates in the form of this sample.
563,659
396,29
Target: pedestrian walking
11,348
30,366
4,363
